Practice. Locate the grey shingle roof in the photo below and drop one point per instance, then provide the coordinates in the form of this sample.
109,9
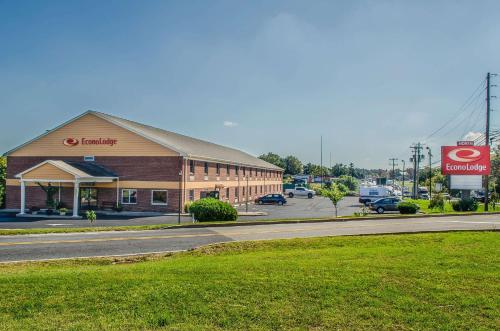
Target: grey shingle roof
91,168
188,146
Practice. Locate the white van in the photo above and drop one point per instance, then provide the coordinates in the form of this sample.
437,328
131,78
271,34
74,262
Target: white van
372,193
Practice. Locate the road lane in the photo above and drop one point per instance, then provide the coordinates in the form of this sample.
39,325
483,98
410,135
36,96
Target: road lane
118,243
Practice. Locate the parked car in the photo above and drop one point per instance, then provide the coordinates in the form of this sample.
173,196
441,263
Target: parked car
373,193
271,199
300,192
385,204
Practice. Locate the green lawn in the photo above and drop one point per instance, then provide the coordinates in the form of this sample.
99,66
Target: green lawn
445,281
424,207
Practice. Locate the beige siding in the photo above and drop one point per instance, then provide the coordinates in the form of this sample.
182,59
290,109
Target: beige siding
92,127
169,184
48,171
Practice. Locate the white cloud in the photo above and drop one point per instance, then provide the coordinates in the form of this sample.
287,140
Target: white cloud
230,124
472,135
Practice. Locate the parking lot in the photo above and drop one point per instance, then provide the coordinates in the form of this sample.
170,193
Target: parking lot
304,208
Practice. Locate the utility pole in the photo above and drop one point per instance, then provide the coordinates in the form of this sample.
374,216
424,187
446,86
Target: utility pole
393,160
321,160
417,156
430,171
403,185
487,136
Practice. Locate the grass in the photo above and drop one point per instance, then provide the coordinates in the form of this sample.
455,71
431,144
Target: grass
424,207
422,203
444,281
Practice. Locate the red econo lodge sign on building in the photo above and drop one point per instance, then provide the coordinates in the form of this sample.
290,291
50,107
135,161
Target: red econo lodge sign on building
465,160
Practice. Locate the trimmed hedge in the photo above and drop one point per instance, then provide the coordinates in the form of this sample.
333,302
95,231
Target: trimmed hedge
407,207
465,204
210,209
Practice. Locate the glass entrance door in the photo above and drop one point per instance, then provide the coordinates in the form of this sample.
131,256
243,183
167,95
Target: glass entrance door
88,198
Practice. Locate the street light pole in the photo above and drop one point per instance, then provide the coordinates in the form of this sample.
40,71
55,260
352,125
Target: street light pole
403,185
430,171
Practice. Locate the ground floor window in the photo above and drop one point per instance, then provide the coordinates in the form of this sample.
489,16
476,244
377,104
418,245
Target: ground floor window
159,197
129,196
191,195
227,193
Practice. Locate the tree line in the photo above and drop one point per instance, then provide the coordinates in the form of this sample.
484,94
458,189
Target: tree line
293,166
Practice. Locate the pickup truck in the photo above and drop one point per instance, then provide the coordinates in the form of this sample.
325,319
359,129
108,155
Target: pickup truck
300,192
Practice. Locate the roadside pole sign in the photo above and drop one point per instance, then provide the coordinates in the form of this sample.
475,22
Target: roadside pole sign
472,182
465,160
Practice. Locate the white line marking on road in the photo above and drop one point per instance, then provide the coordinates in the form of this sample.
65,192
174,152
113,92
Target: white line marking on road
468,222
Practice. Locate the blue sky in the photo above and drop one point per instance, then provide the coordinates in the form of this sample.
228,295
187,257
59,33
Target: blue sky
371,76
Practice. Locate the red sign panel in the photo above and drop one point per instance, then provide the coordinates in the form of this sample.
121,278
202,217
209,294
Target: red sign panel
465,160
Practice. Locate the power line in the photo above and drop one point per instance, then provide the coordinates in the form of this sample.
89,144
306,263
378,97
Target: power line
460,110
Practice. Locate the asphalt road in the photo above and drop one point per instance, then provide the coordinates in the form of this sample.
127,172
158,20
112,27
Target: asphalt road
295,208
74,245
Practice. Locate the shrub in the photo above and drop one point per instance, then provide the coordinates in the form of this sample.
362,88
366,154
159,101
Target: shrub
91,216
63,210
437,202
407,207
465,204
187,205
210,209
118,207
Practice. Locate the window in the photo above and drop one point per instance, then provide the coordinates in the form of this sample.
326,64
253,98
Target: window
261,189
191,167
250,190
237,170
227,193
228,168
244,171
191,195
206,168
237,192
159,197
261,172
255,172
129,196
89,158
217,169
243,191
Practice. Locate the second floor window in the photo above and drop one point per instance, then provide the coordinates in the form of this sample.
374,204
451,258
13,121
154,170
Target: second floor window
228,169
217,169
191,167
206,168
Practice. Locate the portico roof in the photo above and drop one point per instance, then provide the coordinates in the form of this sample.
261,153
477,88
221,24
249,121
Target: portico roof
67,171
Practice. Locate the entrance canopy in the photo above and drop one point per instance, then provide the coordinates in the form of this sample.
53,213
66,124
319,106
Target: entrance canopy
57,171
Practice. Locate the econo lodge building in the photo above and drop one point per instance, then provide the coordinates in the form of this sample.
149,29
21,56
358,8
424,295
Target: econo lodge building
98,160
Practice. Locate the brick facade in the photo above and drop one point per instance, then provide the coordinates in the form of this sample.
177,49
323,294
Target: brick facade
152,169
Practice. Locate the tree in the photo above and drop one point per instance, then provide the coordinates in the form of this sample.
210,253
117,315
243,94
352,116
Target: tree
50,191
339,169
273,159
495,169
348,181
293,166
334,194
315,170
3,176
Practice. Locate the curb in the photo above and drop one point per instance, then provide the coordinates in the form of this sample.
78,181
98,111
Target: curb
340,219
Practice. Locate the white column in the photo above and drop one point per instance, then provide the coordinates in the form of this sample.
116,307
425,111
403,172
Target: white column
23,197
76,193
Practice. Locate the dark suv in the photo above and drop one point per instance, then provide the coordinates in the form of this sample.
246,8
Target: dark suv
385,204
271,199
